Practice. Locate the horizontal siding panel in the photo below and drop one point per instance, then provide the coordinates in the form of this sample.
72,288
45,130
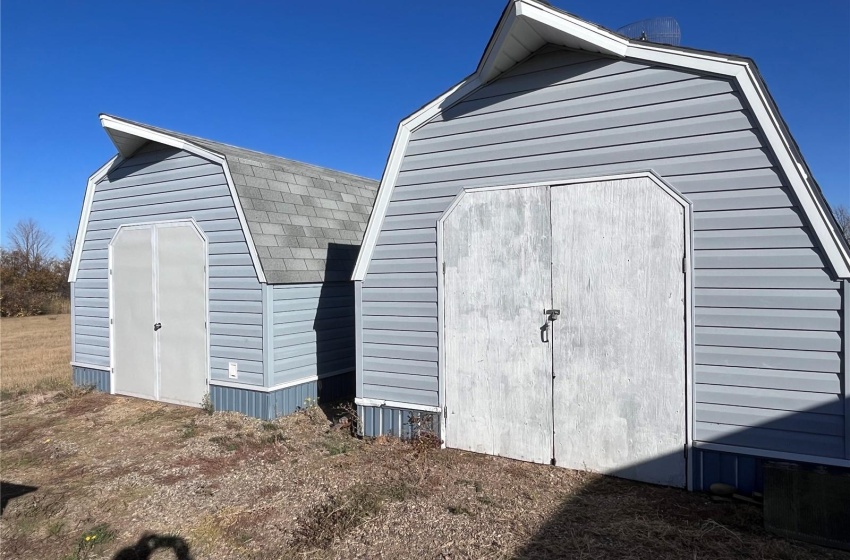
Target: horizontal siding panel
91,350
393,365
769,299
741,200
527,113
95,312
776,440
758,258
312,291
86,302
791,401
399,394
713,144
402,280
233,330
140,210
824,424
170,176
312,358
241,284
769,359
405,309
396,237
233,248
284,329
816,382
245,377
236,318
241,271
410,221
230,260
223,213
403,338
726,181
421,324
381,266
411,251
312,315
670,111
129,168
175,194
98,322
400,294
769,338
217,294
625,137
91,330
747,219
99,359
246,355
311,337
789,278
336,349
428,205
93,340
418,382
213,180
282,306
400,352
253,307
775,238
237,341
800,319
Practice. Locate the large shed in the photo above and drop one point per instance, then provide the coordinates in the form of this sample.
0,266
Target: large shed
201,268
606,254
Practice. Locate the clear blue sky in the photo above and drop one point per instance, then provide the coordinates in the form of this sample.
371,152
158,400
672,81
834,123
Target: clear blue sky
327,82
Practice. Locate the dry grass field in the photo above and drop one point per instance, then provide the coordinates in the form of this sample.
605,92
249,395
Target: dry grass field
93,476
35,353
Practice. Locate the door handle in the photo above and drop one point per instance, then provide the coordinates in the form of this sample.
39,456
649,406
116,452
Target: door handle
157,326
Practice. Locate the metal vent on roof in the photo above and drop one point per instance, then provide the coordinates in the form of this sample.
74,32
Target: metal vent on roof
664,30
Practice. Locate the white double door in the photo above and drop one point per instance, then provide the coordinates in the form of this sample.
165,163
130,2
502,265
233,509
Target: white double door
597,384
158,312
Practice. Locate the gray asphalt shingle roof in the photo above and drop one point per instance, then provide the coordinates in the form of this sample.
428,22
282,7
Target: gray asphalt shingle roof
306,221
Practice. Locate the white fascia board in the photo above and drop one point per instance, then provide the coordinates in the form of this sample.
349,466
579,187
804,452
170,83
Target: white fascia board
613,44
84,215
377,403
168,140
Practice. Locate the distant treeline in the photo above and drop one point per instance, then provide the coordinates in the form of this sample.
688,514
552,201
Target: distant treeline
33,281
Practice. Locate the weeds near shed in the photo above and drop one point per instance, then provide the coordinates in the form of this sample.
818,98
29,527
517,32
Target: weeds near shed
207,404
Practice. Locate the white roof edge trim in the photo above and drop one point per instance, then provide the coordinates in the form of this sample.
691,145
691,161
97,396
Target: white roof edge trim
739,70
110,123
84,215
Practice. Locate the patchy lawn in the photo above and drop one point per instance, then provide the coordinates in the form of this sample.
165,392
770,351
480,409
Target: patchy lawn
98,474
35,353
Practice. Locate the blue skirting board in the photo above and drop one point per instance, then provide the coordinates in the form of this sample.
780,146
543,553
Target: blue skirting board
402,423
88,377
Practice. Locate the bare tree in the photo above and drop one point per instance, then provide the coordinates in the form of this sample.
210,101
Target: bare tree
842,216
31,242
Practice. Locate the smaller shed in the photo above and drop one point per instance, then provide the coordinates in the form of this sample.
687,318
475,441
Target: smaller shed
203,268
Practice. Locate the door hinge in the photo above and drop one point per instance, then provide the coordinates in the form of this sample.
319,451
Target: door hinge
686,450
445,411
684,265
444,267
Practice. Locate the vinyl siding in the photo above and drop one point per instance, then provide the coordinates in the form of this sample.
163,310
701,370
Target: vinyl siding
161,183
312,331
767,311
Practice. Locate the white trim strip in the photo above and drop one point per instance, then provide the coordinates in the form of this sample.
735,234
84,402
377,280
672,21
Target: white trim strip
104,369
573,27
392,404
279,386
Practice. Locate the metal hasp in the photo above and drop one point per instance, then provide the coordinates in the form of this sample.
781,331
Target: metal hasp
157,326
553,314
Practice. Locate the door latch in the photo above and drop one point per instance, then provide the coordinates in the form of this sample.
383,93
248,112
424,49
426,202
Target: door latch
553,314
157,326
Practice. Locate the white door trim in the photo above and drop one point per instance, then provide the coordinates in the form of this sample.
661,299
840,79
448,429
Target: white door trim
154,225
689,298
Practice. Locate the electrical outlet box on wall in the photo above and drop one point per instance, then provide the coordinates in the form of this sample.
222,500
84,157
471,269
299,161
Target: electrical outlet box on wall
232,370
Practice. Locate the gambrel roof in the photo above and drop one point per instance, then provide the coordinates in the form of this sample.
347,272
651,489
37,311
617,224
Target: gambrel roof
291,211
528,25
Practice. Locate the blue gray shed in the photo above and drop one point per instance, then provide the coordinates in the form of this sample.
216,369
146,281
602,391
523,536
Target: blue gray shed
606,254
201,267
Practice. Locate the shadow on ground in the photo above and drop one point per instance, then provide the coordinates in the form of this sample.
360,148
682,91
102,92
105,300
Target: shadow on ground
9,491
149,544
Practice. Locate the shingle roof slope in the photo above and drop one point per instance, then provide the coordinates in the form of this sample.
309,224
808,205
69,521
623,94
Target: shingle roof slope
307,222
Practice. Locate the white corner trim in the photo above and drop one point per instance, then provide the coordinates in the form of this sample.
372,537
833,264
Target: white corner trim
111,123
82,227
392,404
736,69
104,369
279,386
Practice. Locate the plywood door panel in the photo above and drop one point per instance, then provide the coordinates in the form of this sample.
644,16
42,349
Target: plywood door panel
498,371
619,345
181,306
133,313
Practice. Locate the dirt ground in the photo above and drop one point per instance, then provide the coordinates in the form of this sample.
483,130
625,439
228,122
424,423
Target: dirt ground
111,477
